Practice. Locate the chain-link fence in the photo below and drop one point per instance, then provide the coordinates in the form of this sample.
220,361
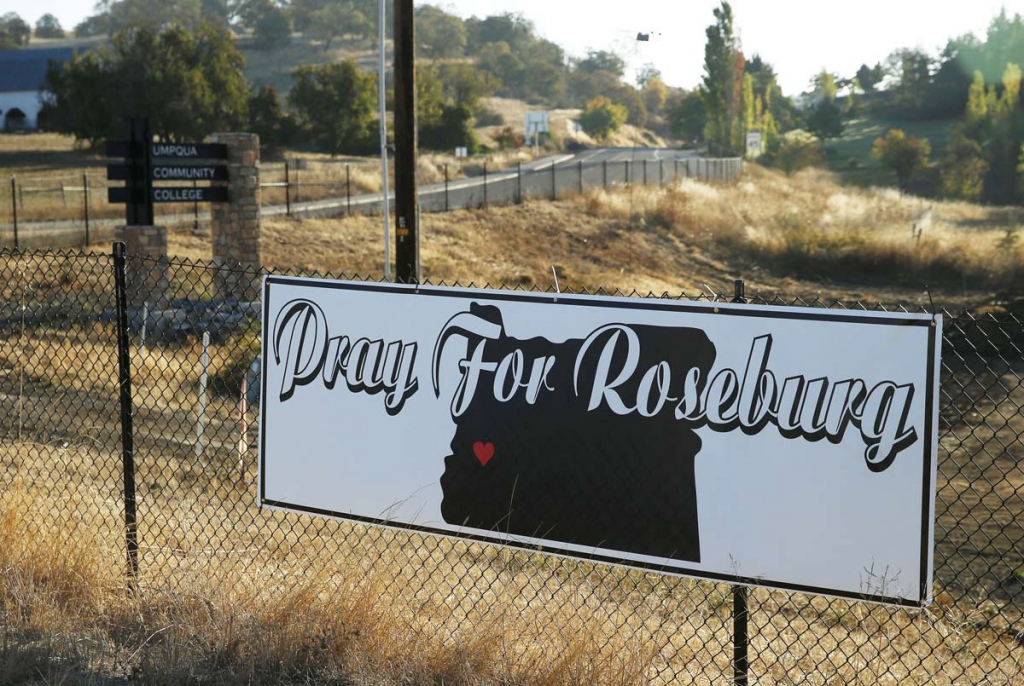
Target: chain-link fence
194,474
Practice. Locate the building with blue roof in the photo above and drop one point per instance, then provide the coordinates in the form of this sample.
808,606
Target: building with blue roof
22,74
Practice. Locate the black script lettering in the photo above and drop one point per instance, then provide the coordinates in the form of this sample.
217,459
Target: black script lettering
508,371
884,423
303,342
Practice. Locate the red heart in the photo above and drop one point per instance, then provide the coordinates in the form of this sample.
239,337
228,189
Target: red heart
484,452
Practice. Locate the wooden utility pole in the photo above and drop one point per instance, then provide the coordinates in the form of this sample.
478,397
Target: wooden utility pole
407,244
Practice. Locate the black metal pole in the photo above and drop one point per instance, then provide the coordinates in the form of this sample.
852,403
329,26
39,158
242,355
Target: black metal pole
645,171
195,210
604,173
298,185
554,183
127,435
348,188
579,175
740,642
741,664
626,162
85,194
485,184
14,209
519,182
287,190
446,208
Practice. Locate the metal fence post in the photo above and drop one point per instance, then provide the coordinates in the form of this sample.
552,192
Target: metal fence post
740,614
85,194
14,209
661,172
554,183
485,183
519,182
604,173
127,435
645,171
579,175
348,189
740,658
287,190
446,206
626,162
195,210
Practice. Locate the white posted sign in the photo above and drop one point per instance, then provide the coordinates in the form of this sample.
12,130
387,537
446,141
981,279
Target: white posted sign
787,447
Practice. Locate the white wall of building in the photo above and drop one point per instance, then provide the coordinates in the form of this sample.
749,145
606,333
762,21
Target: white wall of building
26,101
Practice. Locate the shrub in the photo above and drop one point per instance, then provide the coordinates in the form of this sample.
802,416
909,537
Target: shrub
795,152
902,154
602,116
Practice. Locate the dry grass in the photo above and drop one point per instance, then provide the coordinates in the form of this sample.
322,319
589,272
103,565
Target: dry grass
228,595
805,235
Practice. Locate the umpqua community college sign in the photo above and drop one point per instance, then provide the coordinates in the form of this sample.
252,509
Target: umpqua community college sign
787,447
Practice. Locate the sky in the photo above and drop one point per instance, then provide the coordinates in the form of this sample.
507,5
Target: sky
798,37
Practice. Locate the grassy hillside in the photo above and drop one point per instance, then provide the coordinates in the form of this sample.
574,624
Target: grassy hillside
850,154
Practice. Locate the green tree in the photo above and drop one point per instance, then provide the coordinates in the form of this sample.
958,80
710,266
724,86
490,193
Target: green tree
189,84
96,25
439,34
869,77
902,154
464,84
655,94
722,82
268,120
510,28
603,60
453,129
601,117
335,104
152,14
963,167
911,70
273,29
825,119
48,26
687,116
14,32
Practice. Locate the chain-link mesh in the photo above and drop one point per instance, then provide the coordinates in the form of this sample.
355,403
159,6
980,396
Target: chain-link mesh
195,475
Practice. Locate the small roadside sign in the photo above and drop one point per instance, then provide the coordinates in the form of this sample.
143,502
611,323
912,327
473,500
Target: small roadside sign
162,172
171,195
753,143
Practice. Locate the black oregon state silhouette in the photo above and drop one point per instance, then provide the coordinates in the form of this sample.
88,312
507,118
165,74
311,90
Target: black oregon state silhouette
557,471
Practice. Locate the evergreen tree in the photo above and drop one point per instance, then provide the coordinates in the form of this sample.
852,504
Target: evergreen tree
722,84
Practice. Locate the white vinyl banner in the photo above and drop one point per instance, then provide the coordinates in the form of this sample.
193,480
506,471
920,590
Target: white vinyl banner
787,447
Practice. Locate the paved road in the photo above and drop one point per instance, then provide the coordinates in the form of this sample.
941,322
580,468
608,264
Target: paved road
544,178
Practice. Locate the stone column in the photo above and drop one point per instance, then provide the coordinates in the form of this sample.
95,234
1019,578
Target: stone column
235,226
148,280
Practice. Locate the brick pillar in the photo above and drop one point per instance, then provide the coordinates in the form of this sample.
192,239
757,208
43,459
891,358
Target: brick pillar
148,280
235,225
